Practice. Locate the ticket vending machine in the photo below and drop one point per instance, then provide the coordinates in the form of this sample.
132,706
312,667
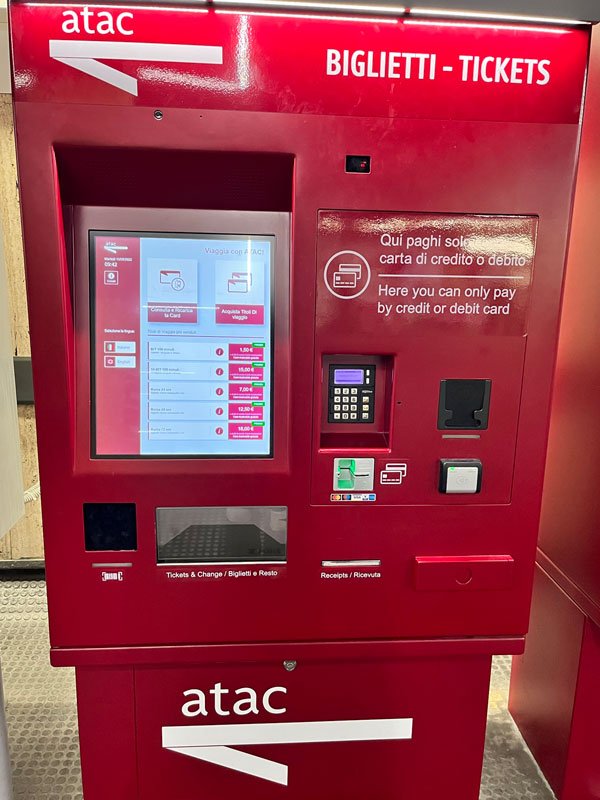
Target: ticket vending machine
294,282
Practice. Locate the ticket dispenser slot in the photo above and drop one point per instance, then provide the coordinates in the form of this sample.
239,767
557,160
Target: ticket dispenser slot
356,399
218,535
464,404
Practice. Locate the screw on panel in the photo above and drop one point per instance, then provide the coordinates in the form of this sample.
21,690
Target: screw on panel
290,666
158,114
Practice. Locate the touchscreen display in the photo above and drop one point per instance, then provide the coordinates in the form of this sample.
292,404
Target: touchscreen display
182,344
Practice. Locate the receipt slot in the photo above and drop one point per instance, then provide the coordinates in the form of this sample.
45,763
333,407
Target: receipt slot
293,324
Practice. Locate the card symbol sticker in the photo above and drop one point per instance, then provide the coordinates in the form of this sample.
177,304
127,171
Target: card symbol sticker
111,278
393,473
347,274
239,283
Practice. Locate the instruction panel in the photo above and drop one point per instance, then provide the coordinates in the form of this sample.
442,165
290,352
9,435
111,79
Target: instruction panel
418,269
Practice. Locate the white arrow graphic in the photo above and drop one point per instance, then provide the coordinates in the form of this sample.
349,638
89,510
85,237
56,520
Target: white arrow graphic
84,55
213,743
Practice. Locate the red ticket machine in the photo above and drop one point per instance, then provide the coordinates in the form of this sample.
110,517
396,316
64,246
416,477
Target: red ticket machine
294,284
555,695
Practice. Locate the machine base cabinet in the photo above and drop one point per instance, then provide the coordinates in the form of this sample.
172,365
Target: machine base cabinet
342,729
555,692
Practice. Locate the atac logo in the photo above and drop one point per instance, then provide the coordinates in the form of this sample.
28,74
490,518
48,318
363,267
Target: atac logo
102,22
220,745
90,55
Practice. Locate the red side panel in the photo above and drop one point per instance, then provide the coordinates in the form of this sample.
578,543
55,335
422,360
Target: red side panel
544,680
570,523
582,779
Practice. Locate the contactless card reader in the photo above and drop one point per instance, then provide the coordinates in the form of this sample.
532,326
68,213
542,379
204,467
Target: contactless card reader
351,393
460,476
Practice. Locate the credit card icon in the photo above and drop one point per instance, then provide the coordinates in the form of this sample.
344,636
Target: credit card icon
393,473
347,276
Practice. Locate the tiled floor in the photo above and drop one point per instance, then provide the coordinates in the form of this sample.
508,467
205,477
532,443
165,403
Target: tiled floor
42,720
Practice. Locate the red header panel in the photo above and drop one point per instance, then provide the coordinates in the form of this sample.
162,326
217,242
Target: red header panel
356,67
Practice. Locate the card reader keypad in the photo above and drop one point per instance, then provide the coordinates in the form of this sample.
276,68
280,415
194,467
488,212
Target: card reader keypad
351,393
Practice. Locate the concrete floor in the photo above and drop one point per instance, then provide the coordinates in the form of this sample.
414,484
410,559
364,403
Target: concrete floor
42,720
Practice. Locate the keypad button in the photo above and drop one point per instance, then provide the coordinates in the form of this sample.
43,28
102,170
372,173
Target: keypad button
345,416
346,391
365,415
354,416
337,415
337,407
337,390
354,400
354,391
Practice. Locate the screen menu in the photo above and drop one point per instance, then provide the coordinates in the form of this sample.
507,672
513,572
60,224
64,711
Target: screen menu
182,344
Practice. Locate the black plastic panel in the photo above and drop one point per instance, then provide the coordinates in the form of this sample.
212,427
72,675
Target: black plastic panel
23,380
110,526
361,165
